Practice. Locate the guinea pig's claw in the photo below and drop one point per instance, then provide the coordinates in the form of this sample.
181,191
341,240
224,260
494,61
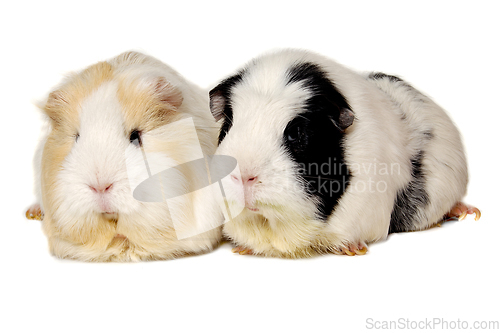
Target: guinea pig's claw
476,211
460,211
352,250
361,251
349,252
242,250
237,249
34,213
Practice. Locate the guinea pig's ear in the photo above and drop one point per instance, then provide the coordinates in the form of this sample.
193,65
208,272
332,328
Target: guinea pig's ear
346,118
166,92
217,103
56,105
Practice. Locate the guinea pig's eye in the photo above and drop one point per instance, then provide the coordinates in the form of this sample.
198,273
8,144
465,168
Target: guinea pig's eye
293,133
135,138
296,131
77,136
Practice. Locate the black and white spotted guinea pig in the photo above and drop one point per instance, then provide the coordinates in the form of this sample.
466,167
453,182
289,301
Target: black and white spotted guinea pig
112,126
331,160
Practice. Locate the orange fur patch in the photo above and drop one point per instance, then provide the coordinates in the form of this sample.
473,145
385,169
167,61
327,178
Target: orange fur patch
144,108
63,104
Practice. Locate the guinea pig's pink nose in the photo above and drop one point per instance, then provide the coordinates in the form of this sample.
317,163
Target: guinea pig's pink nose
101,188
249,180
246,180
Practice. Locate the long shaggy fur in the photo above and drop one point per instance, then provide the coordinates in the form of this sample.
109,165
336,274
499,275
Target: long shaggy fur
94,115
405,158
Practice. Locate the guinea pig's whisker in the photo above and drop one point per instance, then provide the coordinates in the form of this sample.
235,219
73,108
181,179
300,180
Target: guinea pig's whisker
318,177
230,118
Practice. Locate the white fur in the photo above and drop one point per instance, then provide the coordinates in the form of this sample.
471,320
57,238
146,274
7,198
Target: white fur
285,224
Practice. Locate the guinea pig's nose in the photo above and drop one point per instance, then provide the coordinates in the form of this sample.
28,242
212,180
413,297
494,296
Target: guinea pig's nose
249,180
246,180
101,188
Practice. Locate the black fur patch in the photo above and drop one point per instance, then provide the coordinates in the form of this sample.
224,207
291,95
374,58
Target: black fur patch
224,90
428,134
315,142
392,78
409,199
379,76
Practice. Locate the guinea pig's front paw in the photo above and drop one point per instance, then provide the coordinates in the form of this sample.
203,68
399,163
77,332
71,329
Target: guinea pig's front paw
34,213
461,210
242,250
351,249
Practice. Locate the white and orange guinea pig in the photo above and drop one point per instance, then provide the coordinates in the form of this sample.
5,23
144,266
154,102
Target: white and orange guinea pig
111,127
330,159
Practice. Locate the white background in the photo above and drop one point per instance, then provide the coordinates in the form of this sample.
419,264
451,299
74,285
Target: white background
448,49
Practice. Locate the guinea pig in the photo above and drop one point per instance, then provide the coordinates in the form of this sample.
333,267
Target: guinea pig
330,159
111,127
